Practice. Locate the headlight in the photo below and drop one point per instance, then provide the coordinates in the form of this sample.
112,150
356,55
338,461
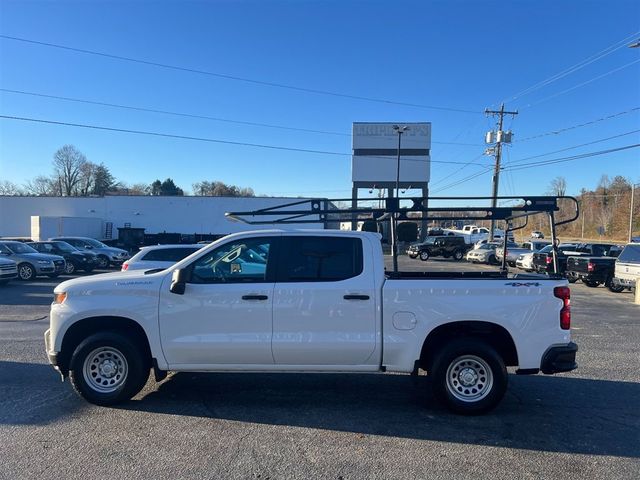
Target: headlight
45,262
59,298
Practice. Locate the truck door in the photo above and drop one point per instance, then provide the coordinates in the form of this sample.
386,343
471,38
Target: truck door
324,302
225,313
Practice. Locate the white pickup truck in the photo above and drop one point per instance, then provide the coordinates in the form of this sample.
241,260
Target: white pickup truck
312,301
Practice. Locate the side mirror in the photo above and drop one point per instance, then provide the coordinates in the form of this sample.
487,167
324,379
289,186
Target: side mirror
179,281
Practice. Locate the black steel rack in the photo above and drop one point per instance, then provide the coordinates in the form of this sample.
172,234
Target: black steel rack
324,211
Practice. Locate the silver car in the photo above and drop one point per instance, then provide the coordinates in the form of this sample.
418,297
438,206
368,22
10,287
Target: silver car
8,270
106,255
30,262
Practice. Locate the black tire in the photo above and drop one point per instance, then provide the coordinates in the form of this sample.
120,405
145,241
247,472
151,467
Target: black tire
492,260
70,268
26,271
572,279
615,288
458,255
591,283
413,256
424,255
103,261
110,350
485,371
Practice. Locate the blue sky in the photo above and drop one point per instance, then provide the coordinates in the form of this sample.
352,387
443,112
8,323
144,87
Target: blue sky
466,55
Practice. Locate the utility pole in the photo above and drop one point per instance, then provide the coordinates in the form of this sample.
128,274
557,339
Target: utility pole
498,138
633,187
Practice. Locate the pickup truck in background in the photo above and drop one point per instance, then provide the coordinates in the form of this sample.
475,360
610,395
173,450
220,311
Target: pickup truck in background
308,301
627,268
594,270
543,259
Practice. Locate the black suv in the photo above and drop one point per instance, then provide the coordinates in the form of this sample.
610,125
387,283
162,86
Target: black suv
442,246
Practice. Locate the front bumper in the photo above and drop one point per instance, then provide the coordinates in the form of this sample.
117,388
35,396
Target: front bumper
52,356
559,359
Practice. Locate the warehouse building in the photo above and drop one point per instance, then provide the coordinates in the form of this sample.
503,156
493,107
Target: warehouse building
101,217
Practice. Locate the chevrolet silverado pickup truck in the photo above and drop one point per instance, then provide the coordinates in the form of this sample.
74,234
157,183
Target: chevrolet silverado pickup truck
308,301
596,270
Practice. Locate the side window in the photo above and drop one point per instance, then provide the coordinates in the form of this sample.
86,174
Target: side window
168,254
242,261
320,259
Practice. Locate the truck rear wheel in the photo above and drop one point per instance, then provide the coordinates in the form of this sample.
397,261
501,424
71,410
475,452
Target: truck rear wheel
591,283
468,377
458,255
108,368
614,288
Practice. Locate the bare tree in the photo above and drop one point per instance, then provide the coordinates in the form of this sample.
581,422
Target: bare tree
86,179
558,187
9,188
68,164
42,185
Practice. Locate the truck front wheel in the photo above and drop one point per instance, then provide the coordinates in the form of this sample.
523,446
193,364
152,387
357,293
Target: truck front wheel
424,255
107,368
468,377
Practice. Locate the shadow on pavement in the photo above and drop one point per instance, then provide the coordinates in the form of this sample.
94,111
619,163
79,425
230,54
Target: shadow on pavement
558,414
555,414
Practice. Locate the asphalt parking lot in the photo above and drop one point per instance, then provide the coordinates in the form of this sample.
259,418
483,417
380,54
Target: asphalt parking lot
583,424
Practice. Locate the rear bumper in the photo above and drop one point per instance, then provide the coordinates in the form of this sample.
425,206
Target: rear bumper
559,359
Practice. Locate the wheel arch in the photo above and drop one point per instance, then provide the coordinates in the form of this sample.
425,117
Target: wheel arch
493,334
81,329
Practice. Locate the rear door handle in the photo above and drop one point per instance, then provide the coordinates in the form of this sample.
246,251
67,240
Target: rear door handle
255,297
356,297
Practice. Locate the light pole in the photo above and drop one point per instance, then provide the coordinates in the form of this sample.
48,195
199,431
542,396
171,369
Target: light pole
633,187
394,226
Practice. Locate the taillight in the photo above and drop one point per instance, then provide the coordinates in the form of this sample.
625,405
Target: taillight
125,265
564,294
549,260
590,267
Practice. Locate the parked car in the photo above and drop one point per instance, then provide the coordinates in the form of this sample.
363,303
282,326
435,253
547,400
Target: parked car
525,261
75,259
30,262
627,268
485,253
159,256
515,250
105,254
8,270
445,246
537,234
313,301
592,271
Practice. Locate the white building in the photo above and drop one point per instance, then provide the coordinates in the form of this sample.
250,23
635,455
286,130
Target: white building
98,216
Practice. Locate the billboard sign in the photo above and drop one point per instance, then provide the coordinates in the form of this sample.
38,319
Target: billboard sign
375,151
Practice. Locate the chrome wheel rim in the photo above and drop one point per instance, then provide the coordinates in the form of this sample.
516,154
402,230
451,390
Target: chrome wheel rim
103,262
105,369
469,378
26,272
69,268
424,256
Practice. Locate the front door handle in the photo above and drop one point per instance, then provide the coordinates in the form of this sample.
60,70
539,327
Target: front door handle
255,297
356,297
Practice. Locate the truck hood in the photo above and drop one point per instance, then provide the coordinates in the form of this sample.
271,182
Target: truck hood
109,280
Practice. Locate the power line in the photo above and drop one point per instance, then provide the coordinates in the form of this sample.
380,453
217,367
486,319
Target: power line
196,116
591,122
235,77
470,162
574,147
587,61
581,84
200,139
463,180
568,159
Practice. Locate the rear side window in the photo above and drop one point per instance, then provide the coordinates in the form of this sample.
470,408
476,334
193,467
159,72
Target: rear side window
168,254
630,254
320,259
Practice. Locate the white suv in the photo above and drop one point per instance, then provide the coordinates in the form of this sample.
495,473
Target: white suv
159,256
